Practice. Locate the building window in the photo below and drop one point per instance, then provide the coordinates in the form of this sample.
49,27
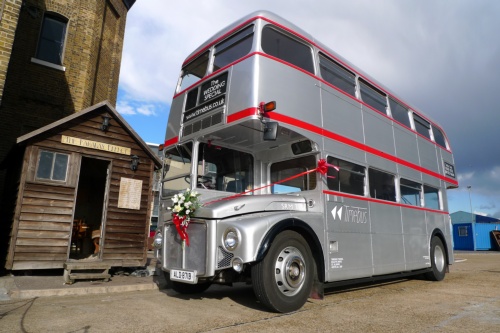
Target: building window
52,166
462,232
51,40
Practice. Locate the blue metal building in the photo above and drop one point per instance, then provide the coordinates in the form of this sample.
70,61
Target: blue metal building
472,232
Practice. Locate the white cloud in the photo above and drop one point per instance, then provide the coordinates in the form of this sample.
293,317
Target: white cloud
124,108
147,110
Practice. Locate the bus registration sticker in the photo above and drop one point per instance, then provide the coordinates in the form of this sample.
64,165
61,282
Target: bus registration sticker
183,276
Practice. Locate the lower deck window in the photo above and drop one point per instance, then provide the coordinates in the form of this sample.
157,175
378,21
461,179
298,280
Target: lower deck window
411,192
381,185
431,197
349,179
287,169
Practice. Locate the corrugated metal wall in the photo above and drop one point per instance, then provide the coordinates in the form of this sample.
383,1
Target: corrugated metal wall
474,236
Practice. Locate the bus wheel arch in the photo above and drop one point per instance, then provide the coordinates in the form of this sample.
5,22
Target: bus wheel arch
305,231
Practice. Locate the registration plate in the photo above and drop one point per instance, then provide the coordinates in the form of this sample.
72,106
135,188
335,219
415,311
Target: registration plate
183,276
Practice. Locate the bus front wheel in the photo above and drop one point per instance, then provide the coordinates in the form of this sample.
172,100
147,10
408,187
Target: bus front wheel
282,281
438,260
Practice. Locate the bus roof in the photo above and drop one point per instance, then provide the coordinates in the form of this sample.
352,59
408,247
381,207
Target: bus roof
287,25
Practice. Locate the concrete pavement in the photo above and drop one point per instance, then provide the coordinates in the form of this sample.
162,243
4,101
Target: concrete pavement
51,283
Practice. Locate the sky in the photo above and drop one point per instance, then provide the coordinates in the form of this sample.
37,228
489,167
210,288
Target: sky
442,57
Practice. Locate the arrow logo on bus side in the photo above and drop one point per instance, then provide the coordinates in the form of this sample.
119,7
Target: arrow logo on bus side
336,212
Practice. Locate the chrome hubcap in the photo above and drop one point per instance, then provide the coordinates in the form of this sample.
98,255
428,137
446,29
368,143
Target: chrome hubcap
290,271
439,258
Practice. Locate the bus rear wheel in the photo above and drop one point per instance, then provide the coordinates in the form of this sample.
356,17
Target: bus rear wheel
282,281
438,260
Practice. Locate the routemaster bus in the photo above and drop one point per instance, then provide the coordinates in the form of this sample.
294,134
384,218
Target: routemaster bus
309,173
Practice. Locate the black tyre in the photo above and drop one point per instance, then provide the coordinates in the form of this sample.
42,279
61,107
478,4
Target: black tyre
438,260
282,281
186,288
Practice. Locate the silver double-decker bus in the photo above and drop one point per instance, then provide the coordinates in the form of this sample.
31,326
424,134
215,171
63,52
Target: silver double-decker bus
310,173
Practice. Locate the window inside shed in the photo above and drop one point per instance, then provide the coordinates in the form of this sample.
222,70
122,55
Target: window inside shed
52,166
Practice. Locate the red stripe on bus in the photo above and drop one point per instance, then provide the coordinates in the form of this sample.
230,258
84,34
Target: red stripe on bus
242,114
171,141
385,202
331,135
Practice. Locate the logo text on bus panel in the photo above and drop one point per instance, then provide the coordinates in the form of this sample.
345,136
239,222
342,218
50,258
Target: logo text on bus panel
350,214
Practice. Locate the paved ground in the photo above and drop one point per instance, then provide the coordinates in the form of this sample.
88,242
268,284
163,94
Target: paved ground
468,300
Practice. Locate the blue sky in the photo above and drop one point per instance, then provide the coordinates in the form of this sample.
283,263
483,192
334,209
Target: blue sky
440,56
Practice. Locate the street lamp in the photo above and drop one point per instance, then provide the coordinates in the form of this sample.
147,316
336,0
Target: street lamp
470,202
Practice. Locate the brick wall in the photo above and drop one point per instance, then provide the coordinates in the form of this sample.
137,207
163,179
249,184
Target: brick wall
33,95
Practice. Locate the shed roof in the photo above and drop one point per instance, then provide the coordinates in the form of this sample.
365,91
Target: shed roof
96,108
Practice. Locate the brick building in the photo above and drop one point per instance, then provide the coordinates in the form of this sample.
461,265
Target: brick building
57,57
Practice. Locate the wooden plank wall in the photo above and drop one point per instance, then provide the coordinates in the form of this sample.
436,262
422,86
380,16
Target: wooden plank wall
44,230
46,212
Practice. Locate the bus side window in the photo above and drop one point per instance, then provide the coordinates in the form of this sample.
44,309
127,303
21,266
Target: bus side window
286,169
373,97
381,185
194,71
288,49
431,197
439,137
422,126
349,179
411,192
233,48
399,113
337,75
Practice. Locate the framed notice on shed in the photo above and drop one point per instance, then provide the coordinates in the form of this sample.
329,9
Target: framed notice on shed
130,193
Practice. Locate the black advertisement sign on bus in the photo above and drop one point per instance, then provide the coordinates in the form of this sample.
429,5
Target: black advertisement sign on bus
202,109
449,170
213,88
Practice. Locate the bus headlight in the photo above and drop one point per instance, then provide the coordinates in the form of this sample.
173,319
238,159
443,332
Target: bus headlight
158,240
237,264
231,239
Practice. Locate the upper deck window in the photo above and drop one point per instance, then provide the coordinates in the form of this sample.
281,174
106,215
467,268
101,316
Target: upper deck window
439,137
287,49
233,48
422,126
194,71
372,96
399,113
337,75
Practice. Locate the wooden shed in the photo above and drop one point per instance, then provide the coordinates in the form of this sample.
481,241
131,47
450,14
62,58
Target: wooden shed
84,193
